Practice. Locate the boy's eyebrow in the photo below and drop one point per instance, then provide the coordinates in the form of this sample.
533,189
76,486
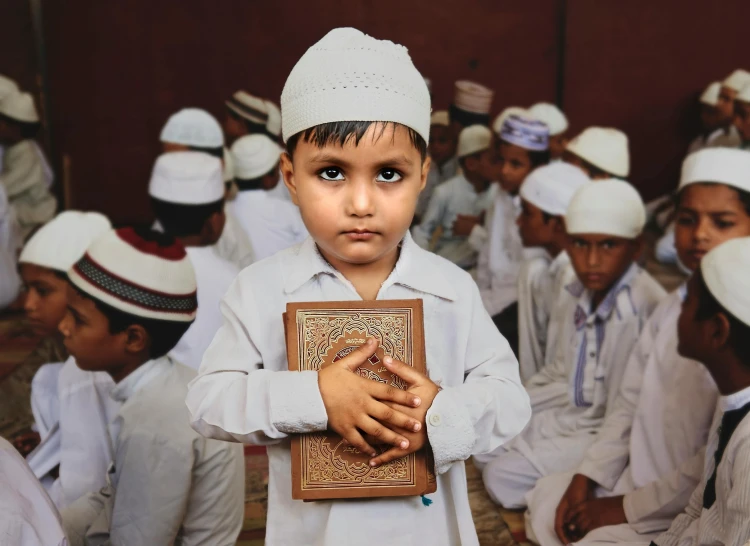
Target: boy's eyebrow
328,157
75,313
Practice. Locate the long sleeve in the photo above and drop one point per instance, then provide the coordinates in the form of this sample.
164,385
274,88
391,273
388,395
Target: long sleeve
736,531
430,221
684,521
235,399
489,409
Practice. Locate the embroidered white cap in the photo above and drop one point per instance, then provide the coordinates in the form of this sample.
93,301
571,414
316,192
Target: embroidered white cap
228,170
273,125
603,147
19,106
737,79
63,240
744,94
551,115
441,117
711,94
729,166
7,86
497,125
187,178
724,271
473,139
193,127
551,187
146,277
249,107
349,76
254,156
473,97
607,207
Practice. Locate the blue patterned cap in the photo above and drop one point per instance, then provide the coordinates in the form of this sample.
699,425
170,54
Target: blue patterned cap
527,133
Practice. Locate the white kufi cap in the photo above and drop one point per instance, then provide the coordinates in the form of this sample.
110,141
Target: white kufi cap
603,147
606,207
193,127
725,272
551,115
711,95
729,166
497,125
744,94
473,139
441,117
228,170
7,86
19,106
737,80
473,97
273,125
551,187
187,178
254,156
249,107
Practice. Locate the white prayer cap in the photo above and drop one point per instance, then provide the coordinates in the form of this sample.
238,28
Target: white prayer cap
254,156
497,125
7,86
273,125
249,107
607,207
603,147
551,115
19,106
729,166
551,187
724,271
428,83
349,76
473,139
63,240
473,97
441,117
228,170
187,178
737,79
744,94
711,95
193,127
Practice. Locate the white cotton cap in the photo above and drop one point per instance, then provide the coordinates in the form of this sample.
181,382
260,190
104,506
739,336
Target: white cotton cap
254,156
193,127
187,178
228,170
428,83
551,187
19,106
7,87
606,207
603,147
63,240
744,94
473,139
497,125
441,117
249,107
349,76
273,125
551,115
725,272
473,97
711,95
737,80
729,166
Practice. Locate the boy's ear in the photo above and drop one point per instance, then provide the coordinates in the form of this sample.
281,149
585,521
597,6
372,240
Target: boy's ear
287,171
638,247
425,172
136,339
719,332
213,227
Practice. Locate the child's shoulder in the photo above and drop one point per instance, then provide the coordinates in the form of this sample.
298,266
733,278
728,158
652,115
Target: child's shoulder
646,288
457,282
269,274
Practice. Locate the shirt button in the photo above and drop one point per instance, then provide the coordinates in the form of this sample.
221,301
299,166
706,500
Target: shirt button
435,420
592,354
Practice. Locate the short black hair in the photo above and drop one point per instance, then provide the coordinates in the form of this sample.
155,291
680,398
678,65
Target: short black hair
465,118
742,195
739,332
340,132
539,158
28,129
184,220
244,184
217,152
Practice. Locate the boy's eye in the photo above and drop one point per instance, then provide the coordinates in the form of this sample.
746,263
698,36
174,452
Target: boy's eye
684,220
723,224
332,174
388,175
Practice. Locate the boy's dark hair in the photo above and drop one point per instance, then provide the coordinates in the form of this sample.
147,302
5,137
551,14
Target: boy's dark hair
184,220
742,195
244,184
27,129
340,132
538,158
465,119
215,152
475,155
739,332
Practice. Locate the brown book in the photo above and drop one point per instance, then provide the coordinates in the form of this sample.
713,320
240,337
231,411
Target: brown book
321,333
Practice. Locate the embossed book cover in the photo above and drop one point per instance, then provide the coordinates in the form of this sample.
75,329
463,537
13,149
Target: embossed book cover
323,467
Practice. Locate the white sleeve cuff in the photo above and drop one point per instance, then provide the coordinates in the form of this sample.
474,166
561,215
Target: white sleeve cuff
450,430
478,237
295,403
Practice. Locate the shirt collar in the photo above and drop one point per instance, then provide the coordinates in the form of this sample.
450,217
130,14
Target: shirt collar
735,400
609,303
139,378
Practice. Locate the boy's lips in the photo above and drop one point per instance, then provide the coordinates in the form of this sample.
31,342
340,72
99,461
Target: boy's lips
360,234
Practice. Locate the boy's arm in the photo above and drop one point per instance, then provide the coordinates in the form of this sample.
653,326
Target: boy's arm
682,523
422,233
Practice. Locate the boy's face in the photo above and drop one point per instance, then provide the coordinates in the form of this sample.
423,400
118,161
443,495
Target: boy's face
557,145
693,336
443,143
481,166
710,117
357,200
725,105
45,302
168,147
600,260
742,118
707,215
515,166
234,127
535,229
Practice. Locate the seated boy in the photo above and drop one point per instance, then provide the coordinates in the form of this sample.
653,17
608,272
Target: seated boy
555,120
602,152
357,183
132,297
600,316
444,165
710,118
466,193
272,224
545,195
647,459
187,197
726,135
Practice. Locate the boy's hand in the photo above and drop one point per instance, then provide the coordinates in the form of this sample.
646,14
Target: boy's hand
579,491
426,390
355,404
464,224
595,513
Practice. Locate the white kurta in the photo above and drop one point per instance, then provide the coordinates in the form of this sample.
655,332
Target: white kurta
27,515
650,447
213,276
272,224
167,484
451,198
437,175
244,392
572,393
234,244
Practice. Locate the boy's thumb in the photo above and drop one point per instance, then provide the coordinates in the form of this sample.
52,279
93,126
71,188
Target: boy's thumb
355,359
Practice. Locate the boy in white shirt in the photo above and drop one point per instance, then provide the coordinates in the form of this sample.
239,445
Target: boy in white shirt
187,196
444,165
466,193
726,136
742,116
545,195
602,152
357,183
600,316
555,120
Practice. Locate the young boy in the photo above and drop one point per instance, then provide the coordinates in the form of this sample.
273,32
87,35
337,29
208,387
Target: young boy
25,173
466,193
726,135
742,117
187,196
647,459
357,184
600,317
552,116
271,224
444,165
545,195
600,151
710,118
132,297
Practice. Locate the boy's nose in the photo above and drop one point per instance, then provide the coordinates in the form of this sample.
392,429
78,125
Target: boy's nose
361,201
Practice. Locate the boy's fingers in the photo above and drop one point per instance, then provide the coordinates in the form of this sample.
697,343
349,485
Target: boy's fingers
382,434
560,521
390,455
355,439
388,415
355,359
389,393
407,373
